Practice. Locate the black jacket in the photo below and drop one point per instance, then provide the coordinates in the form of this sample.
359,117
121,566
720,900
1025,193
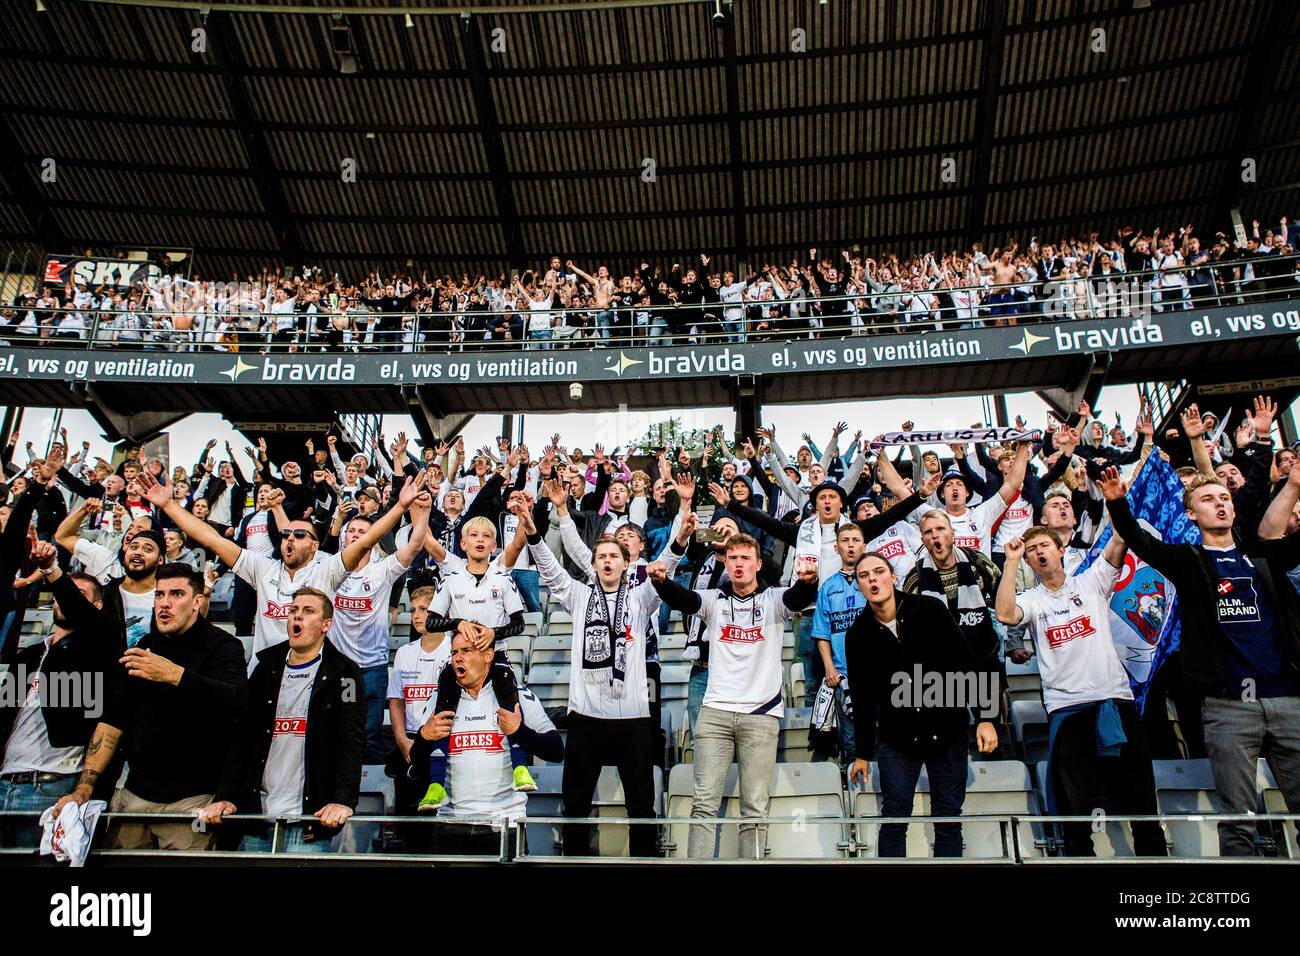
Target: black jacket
877,661
336,733
86,657
1202,642
175,739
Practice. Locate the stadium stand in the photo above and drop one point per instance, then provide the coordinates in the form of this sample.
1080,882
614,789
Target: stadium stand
997,591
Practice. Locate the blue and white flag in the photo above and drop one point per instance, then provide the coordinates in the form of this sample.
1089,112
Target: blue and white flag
1144,620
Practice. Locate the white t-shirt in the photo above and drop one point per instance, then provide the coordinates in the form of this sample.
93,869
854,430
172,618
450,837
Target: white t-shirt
137,615
1071,632
480,780
257,535
97,561
360,628
28,748
285,773
745,673
898,545
972,529
490,600
1015,520
275,591
414,680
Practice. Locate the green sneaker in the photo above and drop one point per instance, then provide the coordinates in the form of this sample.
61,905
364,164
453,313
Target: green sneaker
433,798
524,780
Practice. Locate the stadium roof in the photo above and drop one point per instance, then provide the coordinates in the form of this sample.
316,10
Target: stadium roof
468,158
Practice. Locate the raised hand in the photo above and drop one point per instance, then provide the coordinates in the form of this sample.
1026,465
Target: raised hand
157,494
930,484
411,489
685,484
1112,486
1015,549
719,494
556,492
839,429
1193,425
1265,412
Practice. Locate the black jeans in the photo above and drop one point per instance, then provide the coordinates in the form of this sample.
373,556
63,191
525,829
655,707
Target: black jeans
1078,776
593,744
466,839
945,763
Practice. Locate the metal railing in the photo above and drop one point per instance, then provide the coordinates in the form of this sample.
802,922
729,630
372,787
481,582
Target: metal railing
1124,296
1027,839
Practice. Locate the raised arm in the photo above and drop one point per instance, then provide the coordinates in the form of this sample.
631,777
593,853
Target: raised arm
195,529
411,489
1015,479
1276,518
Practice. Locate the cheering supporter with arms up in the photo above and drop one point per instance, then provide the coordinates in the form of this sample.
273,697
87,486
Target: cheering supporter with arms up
1095,733
743,621
299,566
297,749
911,638
975,527
478,731
173,716
478,598
1240,645
361,622
609,691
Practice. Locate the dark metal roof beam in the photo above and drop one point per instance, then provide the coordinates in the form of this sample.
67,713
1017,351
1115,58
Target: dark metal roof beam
493,150
261,164
1260,77
28,193
735,159
995,14
1206,60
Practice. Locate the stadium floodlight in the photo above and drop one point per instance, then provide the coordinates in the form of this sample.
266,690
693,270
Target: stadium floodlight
40,6
409,22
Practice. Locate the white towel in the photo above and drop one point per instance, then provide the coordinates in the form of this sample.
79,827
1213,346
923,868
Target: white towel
68,837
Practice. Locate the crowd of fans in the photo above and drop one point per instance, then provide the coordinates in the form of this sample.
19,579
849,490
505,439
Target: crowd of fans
949,560
559,304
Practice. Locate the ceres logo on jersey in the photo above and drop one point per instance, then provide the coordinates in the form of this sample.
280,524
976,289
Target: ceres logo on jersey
1064,633
892,549
342,603
415,692
960,541
735,634
277,612
293,726
488,741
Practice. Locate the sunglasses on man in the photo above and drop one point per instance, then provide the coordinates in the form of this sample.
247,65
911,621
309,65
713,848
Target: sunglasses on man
298,533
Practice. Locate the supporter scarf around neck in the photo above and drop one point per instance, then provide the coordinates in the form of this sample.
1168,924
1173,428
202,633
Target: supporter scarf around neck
604,640
808,543
971,612
710,577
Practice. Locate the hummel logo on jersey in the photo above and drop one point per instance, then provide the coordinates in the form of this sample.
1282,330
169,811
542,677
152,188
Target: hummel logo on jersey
294,726
735,634
277,612
1060,634
489,741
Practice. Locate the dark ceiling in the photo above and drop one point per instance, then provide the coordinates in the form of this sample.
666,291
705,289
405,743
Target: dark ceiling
470,159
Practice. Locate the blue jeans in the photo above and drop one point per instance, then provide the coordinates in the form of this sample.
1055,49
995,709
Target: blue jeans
378,742
945,761
805,649
846,727
33,799
695,688
527,582
543,338
293,842
604,320
735,328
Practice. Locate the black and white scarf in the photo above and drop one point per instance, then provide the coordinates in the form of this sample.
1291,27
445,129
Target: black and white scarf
969,610
604,640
